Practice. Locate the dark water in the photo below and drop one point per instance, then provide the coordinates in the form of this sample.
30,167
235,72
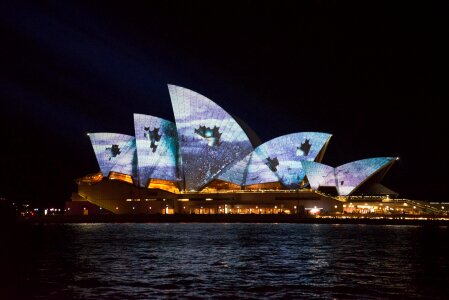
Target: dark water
147,261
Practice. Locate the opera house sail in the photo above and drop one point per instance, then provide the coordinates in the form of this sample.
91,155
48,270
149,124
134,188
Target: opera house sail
345,178
157,147
284,154
115,153
207,150
209,138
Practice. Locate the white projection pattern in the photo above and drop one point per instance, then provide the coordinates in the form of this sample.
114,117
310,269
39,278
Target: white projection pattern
258,171
351,175
209,138
346,177
319,174
283,155
236,173
206,143
250,170
115,152
156,141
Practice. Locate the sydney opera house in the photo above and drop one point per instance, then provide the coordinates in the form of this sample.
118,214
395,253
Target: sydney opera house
210,162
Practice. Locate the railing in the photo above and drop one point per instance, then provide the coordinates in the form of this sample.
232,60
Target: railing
244,191
419,204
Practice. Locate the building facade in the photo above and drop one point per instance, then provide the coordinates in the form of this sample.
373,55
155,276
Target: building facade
210,162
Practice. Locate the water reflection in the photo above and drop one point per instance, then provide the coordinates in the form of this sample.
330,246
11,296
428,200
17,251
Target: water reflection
135,261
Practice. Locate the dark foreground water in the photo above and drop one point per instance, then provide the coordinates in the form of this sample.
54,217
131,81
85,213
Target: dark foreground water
148,261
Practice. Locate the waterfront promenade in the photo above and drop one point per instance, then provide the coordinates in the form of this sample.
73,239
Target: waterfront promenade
253,218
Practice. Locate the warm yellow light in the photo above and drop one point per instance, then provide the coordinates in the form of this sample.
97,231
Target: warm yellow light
314,210
120,177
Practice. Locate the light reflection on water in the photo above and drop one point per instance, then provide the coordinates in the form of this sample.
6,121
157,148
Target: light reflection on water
138,261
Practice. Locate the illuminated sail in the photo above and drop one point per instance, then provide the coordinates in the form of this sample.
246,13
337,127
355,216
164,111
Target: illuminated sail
283,155
345,178
209,138
115,153
156,142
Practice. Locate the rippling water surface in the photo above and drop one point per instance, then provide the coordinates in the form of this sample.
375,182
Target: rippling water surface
147,261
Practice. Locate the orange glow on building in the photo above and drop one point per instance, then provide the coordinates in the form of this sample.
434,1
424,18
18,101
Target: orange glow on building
121,177
90,178
265,186
220,185
165,185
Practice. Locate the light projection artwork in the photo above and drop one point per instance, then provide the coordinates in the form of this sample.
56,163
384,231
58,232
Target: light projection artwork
351,175
156,141
127,163
209,138
248,171
258,171
115,152
346,177
319,174
212,136
236,173
283,155
207,143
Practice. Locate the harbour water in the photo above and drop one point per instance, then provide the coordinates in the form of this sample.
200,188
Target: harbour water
249,261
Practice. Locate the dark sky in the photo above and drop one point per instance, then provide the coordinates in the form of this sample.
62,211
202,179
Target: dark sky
367,72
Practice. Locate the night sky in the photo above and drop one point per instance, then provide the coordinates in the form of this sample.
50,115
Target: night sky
369,73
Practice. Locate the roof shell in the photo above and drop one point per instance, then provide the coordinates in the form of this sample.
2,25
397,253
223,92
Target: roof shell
348,177
209,138
284,154
115,152
156,142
